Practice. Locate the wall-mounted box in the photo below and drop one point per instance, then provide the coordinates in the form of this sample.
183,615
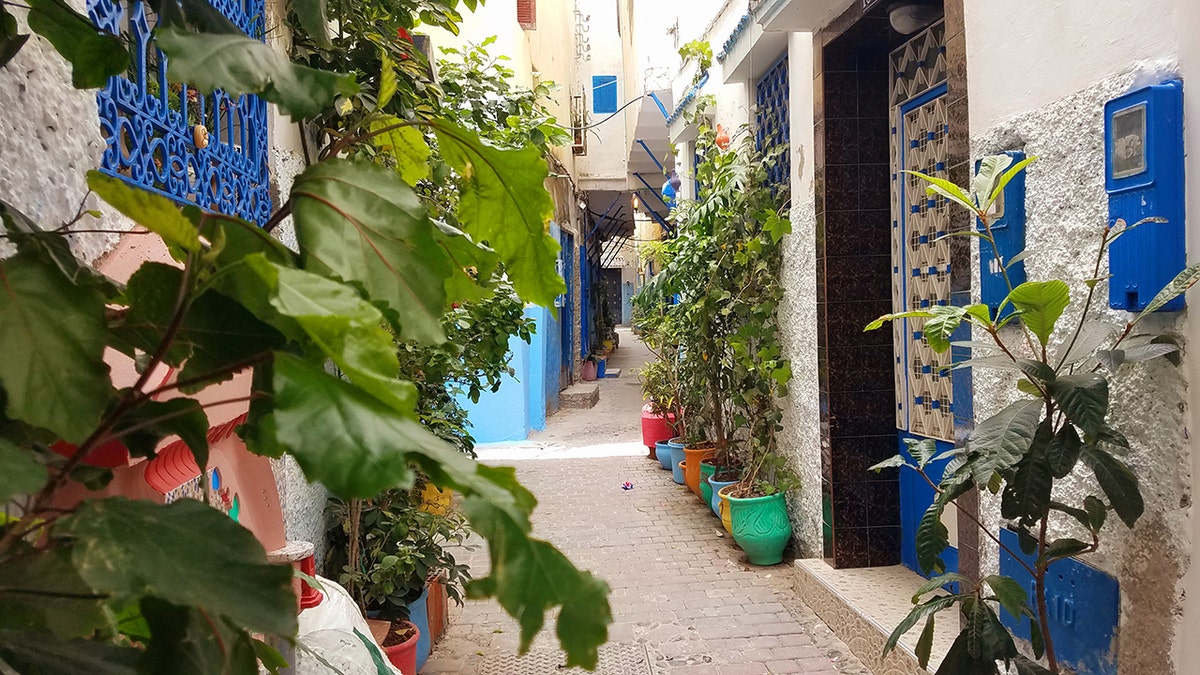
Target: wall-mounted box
1143,164
1083,606
1007,223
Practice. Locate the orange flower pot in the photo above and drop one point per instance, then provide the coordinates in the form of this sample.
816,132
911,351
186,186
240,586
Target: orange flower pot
691,468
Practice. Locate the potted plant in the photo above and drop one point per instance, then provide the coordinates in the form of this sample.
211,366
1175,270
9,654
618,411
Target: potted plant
387,551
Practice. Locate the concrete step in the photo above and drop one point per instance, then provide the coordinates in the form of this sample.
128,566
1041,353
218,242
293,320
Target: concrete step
862,606
582,395
612,372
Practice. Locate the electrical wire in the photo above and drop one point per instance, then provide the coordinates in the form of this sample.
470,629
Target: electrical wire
618,112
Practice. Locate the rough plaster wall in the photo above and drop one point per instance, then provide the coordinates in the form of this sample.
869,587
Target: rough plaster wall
1067,208
800,438
302,504
49,138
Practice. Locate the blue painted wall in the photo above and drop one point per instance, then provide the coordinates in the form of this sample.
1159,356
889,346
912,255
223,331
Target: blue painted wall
524,400
504,415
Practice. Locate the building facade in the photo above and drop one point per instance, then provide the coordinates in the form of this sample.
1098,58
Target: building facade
862,94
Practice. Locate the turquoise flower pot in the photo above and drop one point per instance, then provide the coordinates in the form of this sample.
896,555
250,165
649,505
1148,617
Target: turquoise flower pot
677,456
662,450
761,527
715,503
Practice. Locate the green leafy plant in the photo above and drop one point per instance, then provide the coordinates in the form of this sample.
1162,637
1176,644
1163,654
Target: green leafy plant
701,52
121,585
397,550
723,337
1062,422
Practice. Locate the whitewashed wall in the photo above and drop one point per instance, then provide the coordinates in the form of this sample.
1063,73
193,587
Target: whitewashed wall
1038,80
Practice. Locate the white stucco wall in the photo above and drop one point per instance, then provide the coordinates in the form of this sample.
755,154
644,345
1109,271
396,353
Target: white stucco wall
798,312
49,139
604,165
1038,81
1025,55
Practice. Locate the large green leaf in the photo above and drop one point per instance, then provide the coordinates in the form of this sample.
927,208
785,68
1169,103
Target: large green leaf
927,608
473,265
931,539
52,247
186,642
1010,593
1004,180
959,661
243,65
41,652
1041,303
943,323
1000,441
404,144
1027,493
1062,548
529,577
154,212
360,222
186,553
504,203
1063,451
945,188
1180,284
348,330
22,473
343,437
1026,666
1083,397
216,331
52,337
150,422
94,54
983,183
987,638
1119,484
313,21
42,591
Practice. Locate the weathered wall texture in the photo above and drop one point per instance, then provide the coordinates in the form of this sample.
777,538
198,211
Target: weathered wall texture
49,138
1067,210
798,311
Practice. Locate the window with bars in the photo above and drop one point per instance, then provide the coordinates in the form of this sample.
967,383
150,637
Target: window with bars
771,122
208,150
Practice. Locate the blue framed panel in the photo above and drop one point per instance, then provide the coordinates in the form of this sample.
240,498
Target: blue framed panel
1144,178
915,497
1084,607
604,94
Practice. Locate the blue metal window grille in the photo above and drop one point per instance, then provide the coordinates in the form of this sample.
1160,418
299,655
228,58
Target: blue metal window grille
771,121
604,94
151,127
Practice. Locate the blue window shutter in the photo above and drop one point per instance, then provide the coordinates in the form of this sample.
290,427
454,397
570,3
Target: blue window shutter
604,94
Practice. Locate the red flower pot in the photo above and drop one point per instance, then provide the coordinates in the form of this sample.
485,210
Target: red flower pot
655,428
404,654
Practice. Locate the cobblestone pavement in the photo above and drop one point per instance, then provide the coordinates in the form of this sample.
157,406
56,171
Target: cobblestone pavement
684,598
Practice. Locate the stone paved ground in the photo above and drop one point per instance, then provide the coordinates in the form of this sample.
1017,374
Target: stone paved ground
680,588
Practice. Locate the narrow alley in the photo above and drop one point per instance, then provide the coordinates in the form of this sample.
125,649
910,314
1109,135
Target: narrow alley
684,598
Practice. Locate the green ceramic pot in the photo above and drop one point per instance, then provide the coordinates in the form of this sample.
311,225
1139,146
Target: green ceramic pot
761,527
706,472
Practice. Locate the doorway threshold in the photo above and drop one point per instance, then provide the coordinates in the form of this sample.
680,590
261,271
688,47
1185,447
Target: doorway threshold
862,606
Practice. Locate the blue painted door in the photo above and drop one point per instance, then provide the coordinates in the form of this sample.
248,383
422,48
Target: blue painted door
566,313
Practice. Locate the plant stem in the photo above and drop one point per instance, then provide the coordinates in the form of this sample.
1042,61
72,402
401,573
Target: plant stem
1087,304
276,218
1040,591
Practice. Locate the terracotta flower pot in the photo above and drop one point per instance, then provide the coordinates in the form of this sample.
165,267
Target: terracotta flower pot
693,456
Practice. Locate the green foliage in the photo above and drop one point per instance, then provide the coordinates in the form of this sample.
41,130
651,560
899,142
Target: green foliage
719,347
701,52
400,549
403,223
1022,449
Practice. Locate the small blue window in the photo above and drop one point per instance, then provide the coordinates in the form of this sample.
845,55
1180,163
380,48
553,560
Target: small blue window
604,94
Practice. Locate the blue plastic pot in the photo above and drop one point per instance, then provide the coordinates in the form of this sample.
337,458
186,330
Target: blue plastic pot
716,499
662,450
418,613
677,456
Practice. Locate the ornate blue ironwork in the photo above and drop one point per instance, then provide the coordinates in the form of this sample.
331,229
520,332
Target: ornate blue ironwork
771,121
155,131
